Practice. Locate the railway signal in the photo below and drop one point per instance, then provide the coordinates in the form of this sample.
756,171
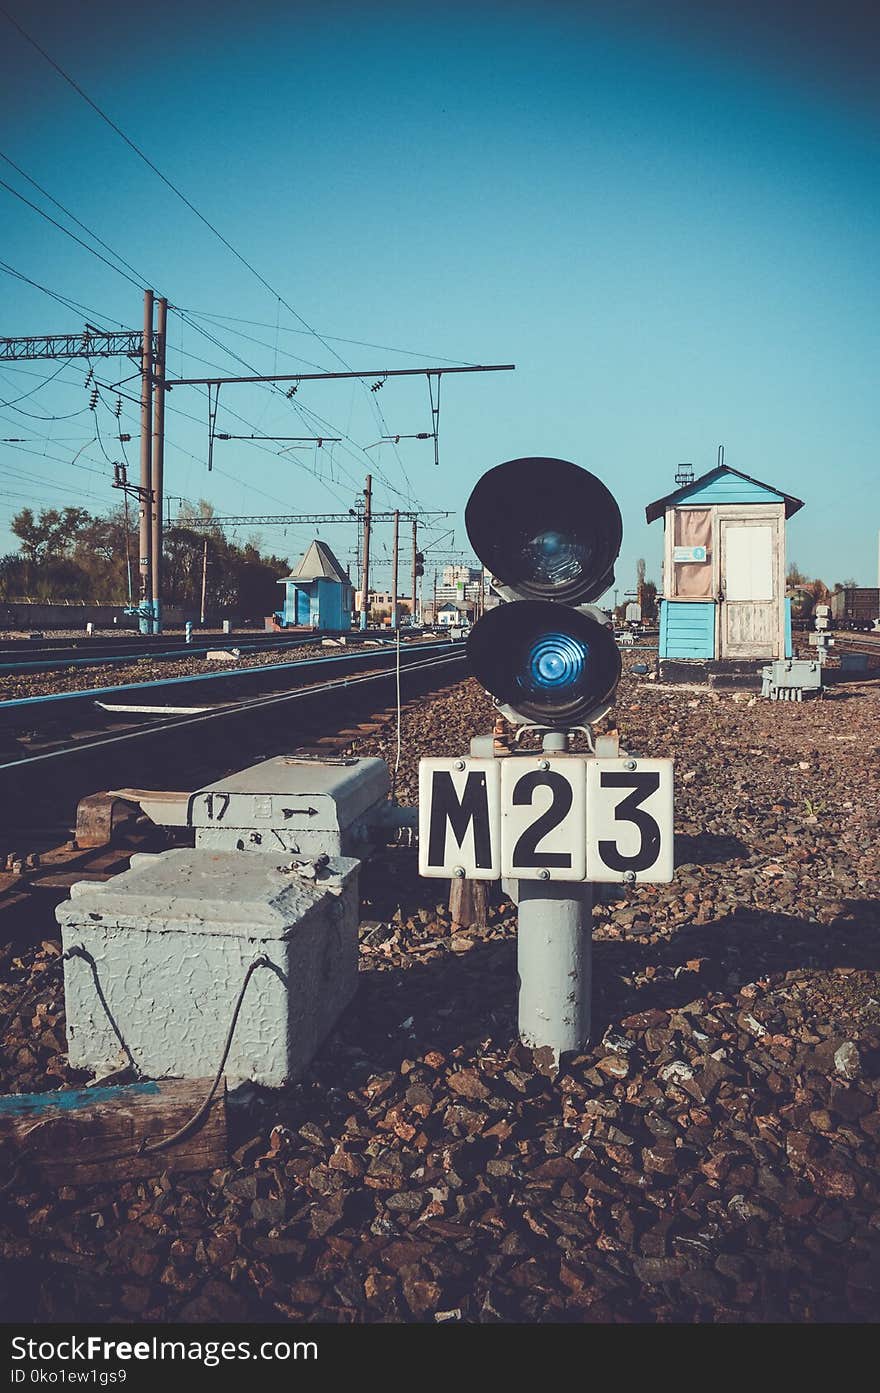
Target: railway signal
551,823
549,533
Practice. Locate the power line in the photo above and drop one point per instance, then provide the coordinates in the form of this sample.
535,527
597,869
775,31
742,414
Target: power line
67,232
189,204
55,295
165,180
68,214
299,409
39,388
331,338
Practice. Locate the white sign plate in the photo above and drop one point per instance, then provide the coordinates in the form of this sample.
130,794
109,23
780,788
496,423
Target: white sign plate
689,553
629,819
580,818
460,818
543,818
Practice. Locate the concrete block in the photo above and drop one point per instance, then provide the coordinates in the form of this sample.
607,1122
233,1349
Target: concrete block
167,945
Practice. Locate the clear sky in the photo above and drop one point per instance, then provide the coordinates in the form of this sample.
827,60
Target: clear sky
665,215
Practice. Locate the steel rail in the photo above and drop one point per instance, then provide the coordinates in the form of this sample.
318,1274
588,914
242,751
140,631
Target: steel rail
232,709
54,700
133,655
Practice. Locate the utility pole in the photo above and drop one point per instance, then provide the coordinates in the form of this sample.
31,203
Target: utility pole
415,552
158,466
434,601
365,586
394,559
145,503
204,580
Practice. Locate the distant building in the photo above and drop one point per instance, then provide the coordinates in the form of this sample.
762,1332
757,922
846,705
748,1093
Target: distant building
381,600
453,614
318,592
461,585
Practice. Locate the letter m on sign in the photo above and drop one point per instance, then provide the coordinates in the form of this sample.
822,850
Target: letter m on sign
459,818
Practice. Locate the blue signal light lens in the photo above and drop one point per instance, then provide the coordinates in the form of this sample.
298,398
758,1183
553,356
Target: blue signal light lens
547,664
554,662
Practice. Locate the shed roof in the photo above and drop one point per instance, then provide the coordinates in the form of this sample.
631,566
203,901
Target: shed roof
704,484
317,563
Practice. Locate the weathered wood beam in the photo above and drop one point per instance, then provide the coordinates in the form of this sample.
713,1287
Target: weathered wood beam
79,1136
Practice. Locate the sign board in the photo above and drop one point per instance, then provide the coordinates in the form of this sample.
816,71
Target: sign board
689,553
546,817
543,816
459,817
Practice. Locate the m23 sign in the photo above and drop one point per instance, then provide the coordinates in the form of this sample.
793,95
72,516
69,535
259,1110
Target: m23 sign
563,817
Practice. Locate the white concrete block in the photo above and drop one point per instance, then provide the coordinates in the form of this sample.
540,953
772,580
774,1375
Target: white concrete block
169,942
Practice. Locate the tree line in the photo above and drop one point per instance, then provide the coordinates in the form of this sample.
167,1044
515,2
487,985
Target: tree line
70,554
795,579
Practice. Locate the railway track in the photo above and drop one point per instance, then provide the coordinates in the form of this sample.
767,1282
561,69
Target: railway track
25,719
21,657
56,827
859,643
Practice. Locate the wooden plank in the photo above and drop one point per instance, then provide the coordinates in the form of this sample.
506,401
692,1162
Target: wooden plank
79,1136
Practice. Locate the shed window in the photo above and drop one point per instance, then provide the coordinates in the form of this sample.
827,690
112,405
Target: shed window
692,531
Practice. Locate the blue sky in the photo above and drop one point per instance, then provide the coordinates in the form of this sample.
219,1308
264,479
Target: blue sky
666,217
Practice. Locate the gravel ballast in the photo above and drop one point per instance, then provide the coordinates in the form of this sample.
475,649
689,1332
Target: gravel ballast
710,1157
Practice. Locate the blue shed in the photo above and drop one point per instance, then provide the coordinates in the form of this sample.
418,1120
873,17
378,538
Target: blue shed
318,592
724,568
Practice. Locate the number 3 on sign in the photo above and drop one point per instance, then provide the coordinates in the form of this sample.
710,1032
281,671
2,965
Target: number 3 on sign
629,819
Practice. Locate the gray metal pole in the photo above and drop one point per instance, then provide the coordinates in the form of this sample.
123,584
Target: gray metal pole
554,962
415,548
394,561
365,577
158,465
145,603
554,953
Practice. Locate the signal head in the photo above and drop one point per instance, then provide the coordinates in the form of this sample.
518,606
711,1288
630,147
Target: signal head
546,530
545,664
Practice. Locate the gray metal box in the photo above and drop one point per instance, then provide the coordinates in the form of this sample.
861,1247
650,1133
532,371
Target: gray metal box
290,804
164,951
790,677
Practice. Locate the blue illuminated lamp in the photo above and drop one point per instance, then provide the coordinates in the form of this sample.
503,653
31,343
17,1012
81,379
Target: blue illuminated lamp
545,664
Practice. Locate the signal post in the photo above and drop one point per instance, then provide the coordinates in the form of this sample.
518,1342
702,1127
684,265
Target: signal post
551,824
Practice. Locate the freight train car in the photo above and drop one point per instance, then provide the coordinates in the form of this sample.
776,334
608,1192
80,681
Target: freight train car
855,607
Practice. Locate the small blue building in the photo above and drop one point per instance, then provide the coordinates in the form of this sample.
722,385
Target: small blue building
318,592
723,594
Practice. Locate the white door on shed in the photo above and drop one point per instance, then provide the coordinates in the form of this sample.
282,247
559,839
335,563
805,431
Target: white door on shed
750,604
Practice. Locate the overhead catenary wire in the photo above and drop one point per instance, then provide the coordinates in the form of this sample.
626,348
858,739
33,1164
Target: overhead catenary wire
67,213
212,338
67,232
300,409
39,388
65,300
188,203
332,338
